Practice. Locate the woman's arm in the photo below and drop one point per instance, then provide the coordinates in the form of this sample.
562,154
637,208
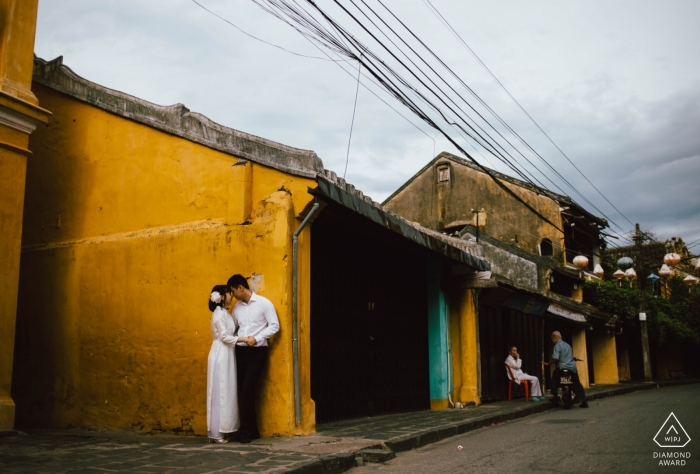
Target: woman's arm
224,335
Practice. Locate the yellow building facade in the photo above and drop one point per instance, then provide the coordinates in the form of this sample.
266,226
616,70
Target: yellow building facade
20,114
134,211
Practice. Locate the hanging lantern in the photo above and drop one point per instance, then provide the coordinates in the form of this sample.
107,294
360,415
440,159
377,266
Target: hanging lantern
631,274
625,262
580,261
672,259
598,271
619,275
690,280
664,271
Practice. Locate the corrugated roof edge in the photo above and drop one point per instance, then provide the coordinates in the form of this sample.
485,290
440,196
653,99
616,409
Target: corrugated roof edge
470,250
178,120
550,194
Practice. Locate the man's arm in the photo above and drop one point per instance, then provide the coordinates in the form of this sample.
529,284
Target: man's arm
513,363
273,324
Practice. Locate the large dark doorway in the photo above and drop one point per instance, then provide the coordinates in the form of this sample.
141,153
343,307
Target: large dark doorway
369,343
500,328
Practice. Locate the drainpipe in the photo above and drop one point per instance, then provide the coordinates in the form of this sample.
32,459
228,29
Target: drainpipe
295,309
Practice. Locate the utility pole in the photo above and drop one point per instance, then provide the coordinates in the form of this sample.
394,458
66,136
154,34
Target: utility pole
477,222
642,308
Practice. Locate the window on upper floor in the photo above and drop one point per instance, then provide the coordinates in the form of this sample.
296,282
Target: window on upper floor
546,249
443,173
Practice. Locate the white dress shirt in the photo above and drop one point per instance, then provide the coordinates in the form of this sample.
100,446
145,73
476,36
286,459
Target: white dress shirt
256,318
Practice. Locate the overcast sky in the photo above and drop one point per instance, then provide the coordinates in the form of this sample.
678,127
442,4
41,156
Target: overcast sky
616,85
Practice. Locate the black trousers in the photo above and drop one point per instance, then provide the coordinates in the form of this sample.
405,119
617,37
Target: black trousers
250,363
578,388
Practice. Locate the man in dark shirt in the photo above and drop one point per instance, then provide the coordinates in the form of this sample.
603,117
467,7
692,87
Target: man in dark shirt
563,358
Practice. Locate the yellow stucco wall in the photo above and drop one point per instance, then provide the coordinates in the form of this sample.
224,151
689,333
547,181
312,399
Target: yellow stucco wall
578,339
19,114
463,329
604,357
127,229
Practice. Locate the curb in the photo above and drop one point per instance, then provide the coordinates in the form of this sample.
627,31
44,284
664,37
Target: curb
337,463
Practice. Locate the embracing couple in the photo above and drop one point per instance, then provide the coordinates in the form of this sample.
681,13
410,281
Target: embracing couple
237,358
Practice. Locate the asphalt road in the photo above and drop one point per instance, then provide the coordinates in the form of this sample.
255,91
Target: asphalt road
614,435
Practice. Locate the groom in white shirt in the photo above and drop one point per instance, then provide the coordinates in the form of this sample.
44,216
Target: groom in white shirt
257,321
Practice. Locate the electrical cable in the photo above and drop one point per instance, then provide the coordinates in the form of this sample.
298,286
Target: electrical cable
385,75
524,111
255,37
432,82
352,123
325,38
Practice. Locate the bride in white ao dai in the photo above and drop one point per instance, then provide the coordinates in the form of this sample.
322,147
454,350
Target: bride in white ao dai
222,390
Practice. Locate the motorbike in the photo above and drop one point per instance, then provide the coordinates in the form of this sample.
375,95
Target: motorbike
566,383
567,388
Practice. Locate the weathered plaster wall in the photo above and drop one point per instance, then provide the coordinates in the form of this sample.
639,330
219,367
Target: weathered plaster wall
518,270
436,205
127,229
463,326
604,357
578,339
19,115
437,338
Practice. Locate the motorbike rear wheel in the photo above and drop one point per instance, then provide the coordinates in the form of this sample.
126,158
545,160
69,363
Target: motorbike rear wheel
566,395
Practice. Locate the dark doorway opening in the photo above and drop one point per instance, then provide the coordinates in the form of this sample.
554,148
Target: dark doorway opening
500,328
369,320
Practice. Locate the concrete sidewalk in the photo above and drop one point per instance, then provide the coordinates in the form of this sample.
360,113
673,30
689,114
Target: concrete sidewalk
333,449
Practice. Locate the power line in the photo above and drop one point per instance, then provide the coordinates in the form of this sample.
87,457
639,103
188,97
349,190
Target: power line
347,158
255,37
492,151
523,109
384,74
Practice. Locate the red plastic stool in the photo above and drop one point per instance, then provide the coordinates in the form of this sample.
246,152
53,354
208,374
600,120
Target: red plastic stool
512,381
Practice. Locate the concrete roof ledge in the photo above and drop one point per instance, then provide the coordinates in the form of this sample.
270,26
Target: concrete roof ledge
178,120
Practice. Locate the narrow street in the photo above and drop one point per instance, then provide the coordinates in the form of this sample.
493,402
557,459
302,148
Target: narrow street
613,435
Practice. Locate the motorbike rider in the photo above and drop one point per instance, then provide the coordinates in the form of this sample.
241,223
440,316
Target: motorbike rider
563,358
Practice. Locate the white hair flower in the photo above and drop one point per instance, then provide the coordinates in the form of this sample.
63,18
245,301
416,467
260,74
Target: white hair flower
215,297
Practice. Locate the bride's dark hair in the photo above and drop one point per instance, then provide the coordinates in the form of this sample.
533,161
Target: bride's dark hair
222,289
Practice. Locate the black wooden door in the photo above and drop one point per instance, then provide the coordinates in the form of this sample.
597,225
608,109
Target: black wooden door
369,349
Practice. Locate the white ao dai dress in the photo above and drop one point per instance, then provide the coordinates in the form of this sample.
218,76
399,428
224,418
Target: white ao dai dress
222,390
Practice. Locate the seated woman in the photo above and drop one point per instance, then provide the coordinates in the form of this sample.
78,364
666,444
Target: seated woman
513,361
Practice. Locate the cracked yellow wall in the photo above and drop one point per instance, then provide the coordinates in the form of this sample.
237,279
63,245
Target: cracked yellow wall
126,230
